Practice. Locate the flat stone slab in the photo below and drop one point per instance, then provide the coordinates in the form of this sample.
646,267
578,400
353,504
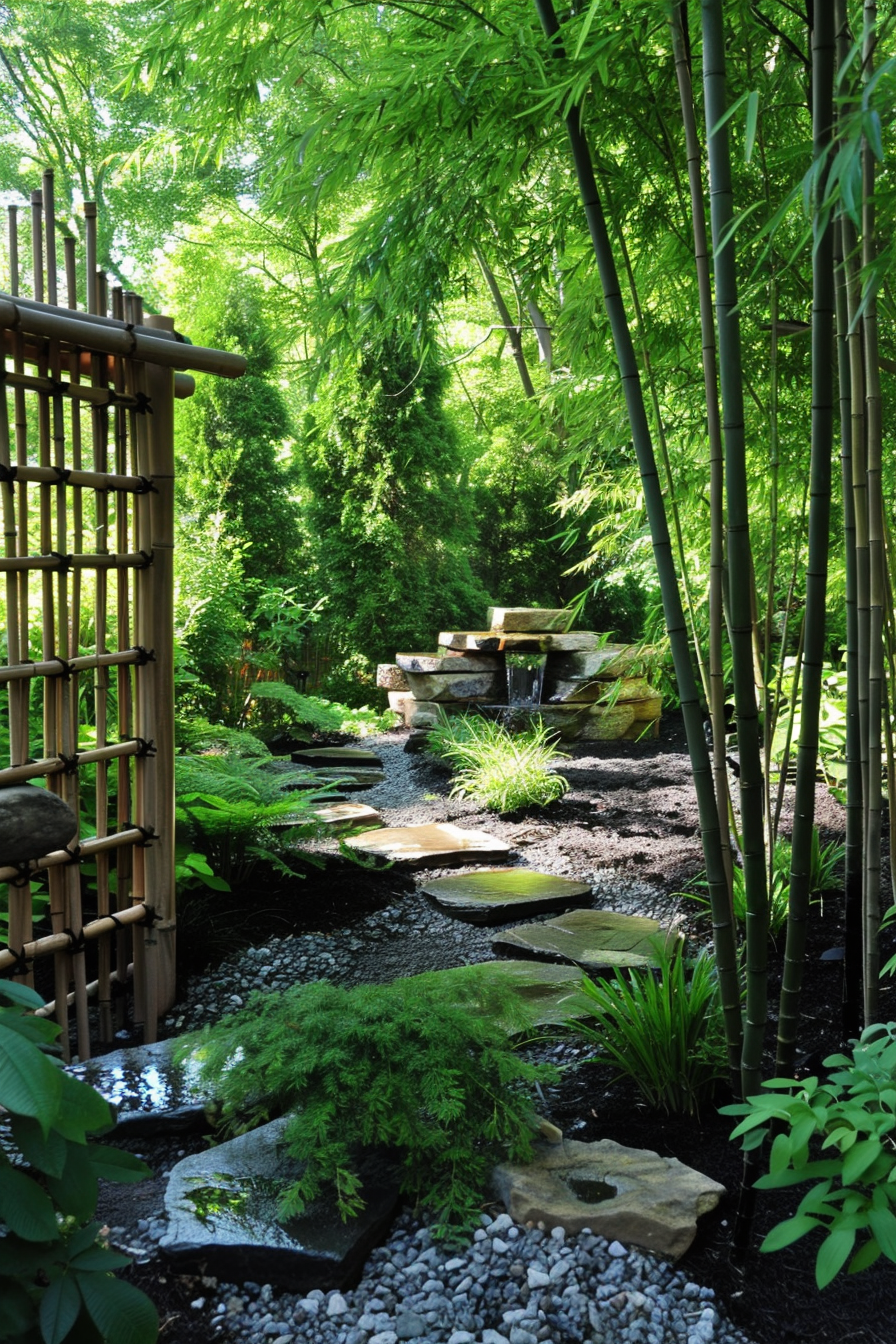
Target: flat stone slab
629,1195
592,939
223,1212
606,723
149,1092
344,816
434,845
549,995
498,894
338,756
390,677
456,685
349,778
518,619
607,661
590,690
496,641
449,662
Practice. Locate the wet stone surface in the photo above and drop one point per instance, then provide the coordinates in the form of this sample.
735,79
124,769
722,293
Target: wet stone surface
498,894
593,939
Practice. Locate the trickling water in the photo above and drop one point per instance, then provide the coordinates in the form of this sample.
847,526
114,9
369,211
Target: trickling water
525,678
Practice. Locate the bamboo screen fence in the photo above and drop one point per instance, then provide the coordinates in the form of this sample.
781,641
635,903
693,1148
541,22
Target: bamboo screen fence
87,485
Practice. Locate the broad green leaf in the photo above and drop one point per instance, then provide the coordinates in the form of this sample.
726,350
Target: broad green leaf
833,1253
19,1312
59,1310
29,1083
883,1225
82,1110
25,1208
121,1313
46,1152
75,1191
23,995
864,1257
113,1164
98,1258
859,1159
779,1157
786,1233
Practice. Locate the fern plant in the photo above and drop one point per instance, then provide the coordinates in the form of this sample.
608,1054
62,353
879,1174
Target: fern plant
505,771
417,1066
233,809
272,705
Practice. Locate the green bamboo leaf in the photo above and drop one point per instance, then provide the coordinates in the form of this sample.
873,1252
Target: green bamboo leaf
786,1233
752,119
833,1253
59,1310
25,1208
586,27
120,1312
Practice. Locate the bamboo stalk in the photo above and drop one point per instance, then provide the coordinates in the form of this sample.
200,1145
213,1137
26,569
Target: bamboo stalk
99,844
60,667
58,942
93,989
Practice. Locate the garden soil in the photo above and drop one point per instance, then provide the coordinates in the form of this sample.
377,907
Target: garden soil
628,825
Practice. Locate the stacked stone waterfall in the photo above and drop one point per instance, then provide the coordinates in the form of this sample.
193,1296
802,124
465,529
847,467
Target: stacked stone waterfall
592,688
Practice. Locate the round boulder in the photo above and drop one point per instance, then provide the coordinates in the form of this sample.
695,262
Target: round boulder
33,822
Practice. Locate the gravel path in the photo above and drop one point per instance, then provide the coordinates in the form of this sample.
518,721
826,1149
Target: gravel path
510,1285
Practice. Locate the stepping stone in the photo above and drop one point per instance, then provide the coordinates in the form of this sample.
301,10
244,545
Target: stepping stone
629,1195
495,641
343,816
550,995
498,894
449,662
592,939
224,1219
148,1091
349,778
337,756
539,619
435,845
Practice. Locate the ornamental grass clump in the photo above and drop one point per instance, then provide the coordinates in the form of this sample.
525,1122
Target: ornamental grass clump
662,1028
421,1067
502,770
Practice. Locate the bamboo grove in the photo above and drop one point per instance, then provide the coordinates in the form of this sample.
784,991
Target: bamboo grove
679,219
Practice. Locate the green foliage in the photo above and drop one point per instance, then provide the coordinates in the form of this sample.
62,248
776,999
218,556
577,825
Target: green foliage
236,810
838,1134
298,712
55,1271
822,877
662,1029
503,770
419,1066
831,724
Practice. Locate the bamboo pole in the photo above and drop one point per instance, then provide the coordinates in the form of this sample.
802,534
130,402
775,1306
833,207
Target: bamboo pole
54,943
823,304
723,924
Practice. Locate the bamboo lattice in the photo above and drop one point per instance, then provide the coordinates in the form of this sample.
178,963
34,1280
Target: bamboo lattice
87,482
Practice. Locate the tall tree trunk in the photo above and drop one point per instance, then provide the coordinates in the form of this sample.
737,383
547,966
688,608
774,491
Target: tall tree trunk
723,927
823,45
740,567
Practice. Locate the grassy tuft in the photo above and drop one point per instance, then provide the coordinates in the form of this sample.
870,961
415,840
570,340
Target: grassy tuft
504,771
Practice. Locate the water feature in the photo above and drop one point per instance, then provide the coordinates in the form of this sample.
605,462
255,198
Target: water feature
525,678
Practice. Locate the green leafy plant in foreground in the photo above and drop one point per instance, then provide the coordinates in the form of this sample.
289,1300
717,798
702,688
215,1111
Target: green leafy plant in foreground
839,1134
418,1066
56,1284
504,771
662,1028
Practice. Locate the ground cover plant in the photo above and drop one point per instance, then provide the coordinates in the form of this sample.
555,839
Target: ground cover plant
416,1066
503,770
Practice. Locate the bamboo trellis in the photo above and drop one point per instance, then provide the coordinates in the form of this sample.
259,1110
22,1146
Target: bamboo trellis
87,485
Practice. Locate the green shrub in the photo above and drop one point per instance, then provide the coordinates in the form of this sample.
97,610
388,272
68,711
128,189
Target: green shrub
853,1115
418,1066
502,770
56,1283
662,1029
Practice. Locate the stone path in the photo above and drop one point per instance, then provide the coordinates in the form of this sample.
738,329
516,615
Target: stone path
497,894
436,845
593,939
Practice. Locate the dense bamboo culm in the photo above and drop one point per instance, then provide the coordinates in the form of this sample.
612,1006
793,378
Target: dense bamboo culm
87,486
